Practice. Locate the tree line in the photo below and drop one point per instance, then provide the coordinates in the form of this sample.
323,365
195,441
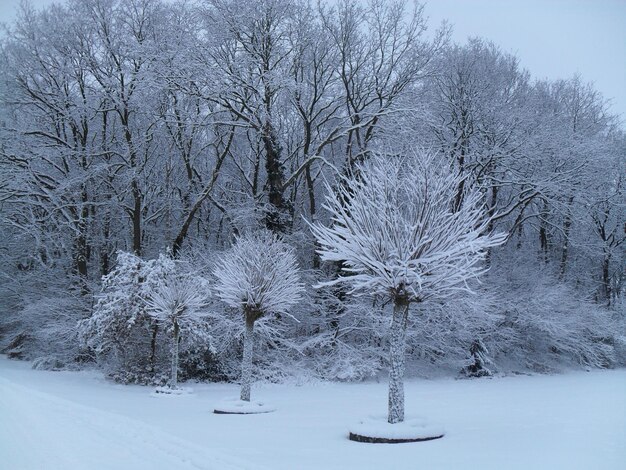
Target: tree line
147,127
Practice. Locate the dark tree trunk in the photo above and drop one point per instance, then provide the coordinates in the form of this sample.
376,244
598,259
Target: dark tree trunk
543,233
312,211
81,246
606,277
136,215
105,262
182,234
279,207
155,331
567,225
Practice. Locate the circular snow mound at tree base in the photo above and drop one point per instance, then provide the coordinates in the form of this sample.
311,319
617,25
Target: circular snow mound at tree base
240,407
377,430
168,391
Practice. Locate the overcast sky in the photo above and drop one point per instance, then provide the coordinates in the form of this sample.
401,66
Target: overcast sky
553,38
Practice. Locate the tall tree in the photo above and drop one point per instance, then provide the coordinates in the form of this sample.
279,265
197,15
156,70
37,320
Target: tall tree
399,235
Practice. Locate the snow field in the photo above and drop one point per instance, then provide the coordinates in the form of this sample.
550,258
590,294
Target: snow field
40,431
77,420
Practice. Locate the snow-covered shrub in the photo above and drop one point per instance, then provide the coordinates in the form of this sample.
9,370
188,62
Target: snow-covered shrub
541,324
135,316
49,363
344,360
440,341
120,332
524,323
133,374
201,362
259,277
479,360
619,317
620,345
47,327
550,327
344,338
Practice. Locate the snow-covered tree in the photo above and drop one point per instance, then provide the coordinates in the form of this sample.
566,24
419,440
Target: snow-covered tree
120,330
258,275
179,301
396,231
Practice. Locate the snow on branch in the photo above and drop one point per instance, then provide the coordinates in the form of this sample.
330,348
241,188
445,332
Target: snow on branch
259,273
181,299
395,228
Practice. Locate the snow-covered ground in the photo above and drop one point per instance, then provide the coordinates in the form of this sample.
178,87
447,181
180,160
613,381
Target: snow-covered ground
77,420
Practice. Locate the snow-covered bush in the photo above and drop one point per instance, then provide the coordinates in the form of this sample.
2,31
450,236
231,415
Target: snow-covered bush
441,342
201,362
402,234
259,277
49,363
46,328
525,320
120,332
546,327
142,305
619,318
344,335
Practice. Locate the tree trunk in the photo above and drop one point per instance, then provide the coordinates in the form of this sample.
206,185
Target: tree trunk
136,217
81,247
275,217
312,210
192,210
397,347
104,254
491,212
246,362
567,225
80,257
134,185
543,233
174,379
606,277
155,330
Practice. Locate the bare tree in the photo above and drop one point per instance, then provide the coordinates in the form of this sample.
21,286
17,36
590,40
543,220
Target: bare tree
383,52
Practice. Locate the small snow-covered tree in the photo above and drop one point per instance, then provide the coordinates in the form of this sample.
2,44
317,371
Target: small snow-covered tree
398,233
179,301
260,276
119,329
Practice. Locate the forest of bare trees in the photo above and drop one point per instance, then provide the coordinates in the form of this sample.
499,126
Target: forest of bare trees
164,130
